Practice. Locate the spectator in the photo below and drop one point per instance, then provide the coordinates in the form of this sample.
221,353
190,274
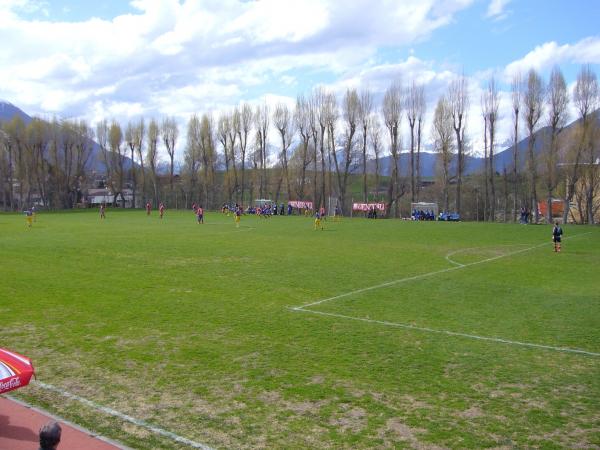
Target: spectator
50,436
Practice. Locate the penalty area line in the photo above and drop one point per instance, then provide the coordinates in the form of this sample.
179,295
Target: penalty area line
451,333
124,417
428,274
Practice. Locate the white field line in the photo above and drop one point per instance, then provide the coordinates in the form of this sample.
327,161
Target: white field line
424,275
124,417
433,330
451,333
463,250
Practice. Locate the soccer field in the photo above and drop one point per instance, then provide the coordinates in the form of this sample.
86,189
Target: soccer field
169,334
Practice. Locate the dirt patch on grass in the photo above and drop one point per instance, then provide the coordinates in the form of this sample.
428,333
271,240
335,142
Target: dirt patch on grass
353,420
472,413
306,408
317,379
396,430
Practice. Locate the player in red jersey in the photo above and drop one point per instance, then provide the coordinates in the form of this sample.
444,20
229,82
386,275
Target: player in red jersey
200,214
148,208
161,209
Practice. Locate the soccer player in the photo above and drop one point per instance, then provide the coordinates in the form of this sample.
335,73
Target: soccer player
102,211
556,234
238,216
161,209
200,214
148,208
322,213
28,217
318,223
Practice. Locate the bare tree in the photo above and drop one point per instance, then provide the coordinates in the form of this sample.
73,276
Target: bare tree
351,106
139,132
207,147
586,99
558,100
442,132
170,133
8,146
459,103
486,161
152,155
533,103
6,179
115,141
83,151
517,98
16,131
392,115
102,140
283,121
130,141
329,116
261,125
491,112
421,107
36,142
376,145
412,112
192,157
223,133
365,112
302,121
318,127
244,127
235,121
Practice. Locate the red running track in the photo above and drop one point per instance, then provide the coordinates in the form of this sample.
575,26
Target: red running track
20,425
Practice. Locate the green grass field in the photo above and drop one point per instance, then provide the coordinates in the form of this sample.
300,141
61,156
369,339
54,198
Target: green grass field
191,329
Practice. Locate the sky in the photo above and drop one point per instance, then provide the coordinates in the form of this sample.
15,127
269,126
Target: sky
122,60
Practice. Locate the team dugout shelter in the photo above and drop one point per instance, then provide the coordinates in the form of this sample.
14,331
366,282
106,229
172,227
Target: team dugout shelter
425,207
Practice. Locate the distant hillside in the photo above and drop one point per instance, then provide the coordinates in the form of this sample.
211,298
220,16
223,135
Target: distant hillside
474,164
8,111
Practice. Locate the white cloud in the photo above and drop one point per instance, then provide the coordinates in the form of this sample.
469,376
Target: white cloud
497,9
550,53
179,57
210,51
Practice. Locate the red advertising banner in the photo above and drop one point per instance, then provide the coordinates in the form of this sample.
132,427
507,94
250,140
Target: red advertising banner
300,204
368,206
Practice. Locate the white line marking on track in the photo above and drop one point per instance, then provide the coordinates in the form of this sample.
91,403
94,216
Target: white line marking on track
428,274
125,417
451,333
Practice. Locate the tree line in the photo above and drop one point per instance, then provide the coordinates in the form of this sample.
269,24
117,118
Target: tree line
324,147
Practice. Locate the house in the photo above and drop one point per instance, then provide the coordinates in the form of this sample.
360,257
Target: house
96,197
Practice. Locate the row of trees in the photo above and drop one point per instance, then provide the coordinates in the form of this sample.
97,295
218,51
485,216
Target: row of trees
322,144
563,165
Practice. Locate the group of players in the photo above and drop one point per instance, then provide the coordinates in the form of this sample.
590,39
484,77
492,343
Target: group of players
320,216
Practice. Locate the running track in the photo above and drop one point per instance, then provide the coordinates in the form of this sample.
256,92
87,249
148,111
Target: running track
20,425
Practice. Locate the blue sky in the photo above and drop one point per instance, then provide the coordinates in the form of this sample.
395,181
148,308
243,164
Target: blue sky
121,60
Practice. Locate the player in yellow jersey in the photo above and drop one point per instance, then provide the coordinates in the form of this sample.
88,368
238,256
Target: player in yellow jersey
318,223
238,216
29,217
